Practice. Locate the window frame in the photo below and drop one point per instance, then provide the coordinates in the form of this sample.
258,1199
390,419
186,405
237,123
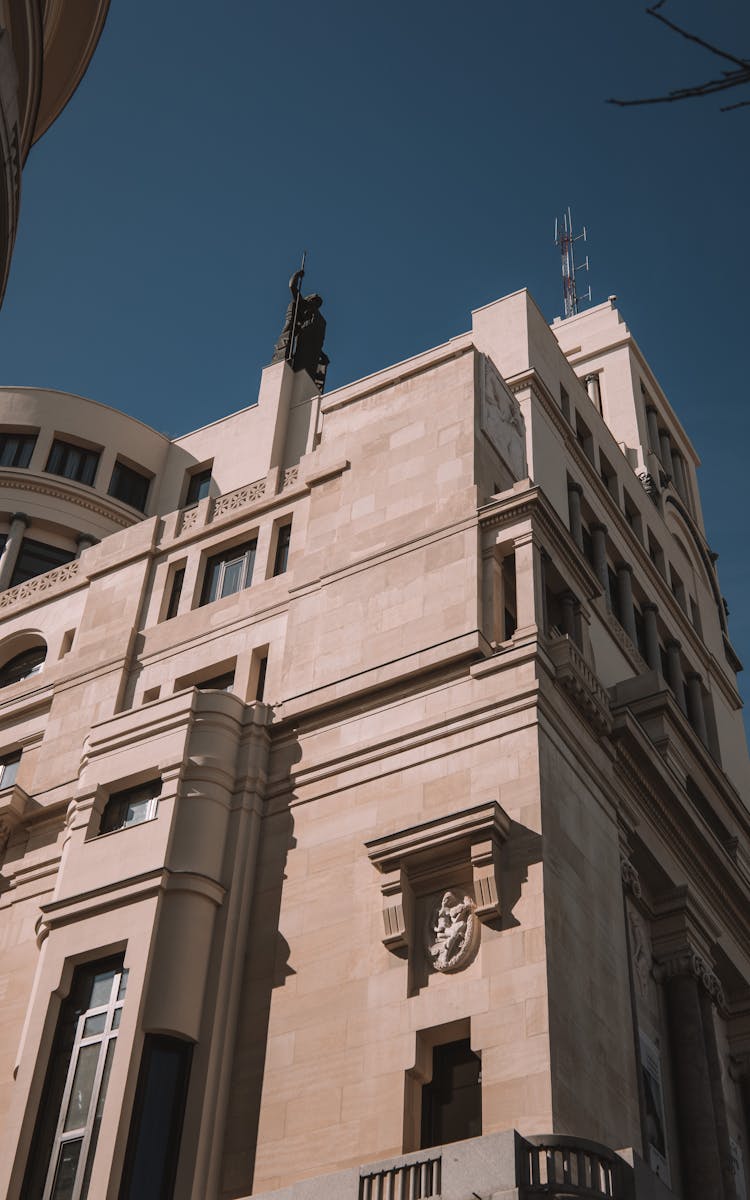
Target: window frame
196,477
213,584
150,791
138,474
26,439
29,652
90,455
7,763
283,542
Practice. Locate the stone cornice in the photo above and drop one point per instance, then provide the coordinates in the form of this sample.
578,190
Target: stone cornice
92,501
531,502
653,792
616,518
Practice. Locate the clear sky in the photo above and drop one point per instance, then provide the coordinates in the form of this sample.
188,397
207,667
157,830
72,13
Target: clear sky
420,152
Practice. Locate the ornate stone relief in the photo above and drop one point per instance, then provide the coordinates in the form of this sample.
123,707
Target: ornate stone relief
640,950
688,962
452,933
414,862
502,419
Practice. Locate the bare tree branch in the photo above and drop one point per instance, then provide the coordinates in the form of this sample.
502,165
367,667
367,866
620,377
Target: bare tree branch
729,79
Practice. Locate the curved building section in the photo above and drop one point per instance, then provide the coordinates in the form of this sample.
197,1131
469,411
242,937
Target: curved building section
45,48
71,472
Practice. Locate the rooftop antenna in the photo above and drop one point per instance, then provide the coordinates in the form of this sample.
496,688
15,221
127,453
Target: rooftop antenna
565,239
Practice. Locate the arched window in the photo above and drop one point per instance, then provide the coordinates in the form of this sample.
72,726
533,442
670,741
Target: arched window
28,662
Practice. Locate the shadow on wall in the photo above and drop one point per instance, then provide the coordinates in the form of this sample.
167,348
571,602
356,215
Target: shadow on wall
266,968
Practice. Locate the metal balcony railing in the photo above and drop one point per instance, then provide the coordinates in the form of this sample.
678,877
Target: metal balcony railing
563,1167
403,1181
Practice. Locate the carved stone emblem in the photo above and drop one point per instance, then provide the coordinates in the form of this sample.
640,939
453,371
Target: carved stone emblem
452,932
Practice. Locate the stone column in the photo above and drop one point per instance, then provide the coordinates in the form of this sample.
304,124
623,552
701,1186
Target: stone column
665,443
599,544
696,713
653,428
678,472
493,599
9,557
699,1144
569,604
529,585
594,391
574,509
651,636
625,600
83,541
717,1094
675,678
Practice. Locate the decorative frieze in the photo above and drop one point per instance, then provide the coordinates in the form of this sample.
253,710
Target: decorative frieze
239,498
40,586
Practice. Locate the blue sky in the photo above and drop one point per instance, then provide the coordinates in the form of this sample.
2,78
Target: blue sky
420,151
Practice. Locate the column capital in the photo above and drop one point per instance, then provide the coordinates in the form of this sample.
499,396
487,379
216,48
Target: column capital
575,487
649,606
598,527
693,676
688,963
624,566
672,644
630,878
651,408
19,516
591,375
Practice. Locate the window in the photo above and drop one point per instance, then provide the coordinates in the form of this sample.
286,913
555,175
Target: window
73,462
16,449
584,438
198,486
564,403
609,477
261,684
174,596
130,807
656,554
67,1128
156,1125
9,769
632,516
452,1101
282,549
229,572
36,558
21,666
129,485
217,683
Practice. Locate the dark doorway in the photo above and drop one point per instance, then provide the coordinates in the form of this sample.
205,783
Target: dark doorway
452,1101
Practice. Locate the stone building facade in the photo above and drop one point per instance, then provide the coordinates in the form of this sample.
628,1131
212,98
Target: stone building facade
45,48
374,790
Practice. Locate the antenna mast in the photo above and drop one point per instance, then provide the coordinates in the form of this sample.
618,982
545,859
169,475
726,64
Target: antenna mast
565,239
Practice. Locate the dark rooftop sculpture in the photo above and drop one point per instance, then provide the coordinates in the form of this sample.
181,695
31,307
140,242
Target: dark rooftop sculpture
300,342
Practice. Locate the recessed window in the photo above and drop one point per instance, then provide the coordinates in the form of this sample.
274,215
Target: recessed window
129,485
282,549
229,572
130,807
73,462
156,1125
217,683
175,592
584,438
199,486
452,1101
75,1089
9,769
36,558
21,666
16,449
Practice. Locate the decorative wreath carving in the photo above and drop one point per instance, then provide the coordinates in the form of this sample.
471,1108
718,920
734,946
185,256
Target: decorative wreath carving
452,932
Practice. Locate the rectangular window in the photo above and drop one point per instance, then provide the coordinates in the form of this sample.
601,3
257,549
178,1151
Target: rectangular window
217,683
229,572
174,596
261,685
16,449
452,1100
282,549
9,769
67,1128
565,403
584,438
132,806
156,1125
73,462
198,487
130,486
36,558
609,477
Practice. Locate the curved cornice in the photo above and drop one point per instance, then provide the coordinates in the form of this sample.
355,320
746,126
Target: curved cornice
118,514
71,34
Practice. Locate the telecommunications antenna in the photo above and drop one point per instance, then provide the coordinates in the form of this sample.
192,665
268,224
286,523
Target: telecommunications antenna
565,239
